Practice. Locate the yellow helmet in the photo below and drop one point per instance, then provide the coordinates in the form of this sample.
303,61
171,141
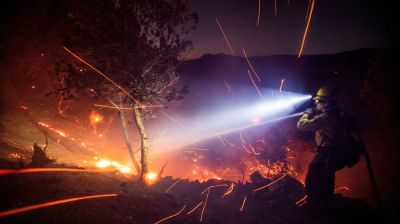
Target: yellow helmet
326,94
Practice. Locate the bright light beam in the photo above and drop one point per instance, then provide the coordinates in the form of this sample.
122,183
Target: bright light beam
239,117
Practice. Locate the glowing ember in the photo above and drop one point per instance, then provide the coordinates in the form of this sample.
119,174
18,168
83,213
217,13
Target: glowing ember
52,203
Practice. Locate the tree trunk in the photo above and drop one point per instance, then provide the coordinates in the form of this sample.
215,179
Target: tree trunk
126,137
144,146
128,143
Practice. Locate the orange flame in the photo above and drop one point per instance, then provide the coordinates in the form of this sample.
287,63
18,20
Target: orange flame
151,178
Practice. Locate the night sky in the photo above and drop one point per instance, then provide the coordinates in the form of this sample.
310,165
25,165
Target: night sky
336,26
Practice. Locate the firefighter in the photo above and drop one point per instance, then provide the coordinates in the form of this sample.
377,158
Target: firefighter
326,120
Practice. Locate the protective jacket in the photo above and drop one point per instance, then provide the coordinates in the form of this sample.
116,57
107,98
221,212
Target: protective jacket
326,125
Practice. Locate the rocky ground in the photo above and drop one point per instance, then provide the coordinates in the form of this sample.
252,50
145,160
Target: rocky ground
136,203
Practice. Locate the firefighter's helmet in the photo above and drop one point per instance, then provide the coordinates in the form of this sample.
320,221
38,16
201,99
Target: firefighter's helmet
326,94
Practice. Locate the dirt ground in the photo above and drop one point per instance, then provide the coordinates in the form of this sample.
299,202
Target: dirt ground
135,203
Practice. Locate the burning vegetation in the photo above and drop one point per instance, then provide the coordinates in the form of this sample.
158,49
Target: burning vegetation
119,146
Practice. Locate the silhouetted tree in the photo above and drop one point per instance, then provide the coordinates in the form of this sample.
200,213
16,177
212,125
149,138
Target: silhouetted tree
138,44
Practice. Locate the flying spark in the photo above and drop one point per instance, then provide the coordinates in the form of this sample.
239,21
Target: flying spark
41,170
226,38
259,12
218,185
252,80
243,203
166,191
171,216
204,207
270,184
229,87
282,82
303,199
102,74
191,211
251,66
230,189
52,203
306,30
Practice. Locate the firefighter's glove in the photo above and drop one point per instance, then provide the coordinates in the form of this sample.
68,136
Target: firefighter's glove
309,111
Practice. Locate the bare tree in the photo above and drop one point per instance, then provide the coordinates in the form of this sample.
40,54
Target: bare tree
137,45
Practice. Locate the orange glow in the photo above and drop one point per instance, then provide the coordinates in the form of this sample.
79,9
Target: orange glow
226,38
52,203
306,30
171,216
243,203
95,118
151,178
103,163
191,211
270,184
40,170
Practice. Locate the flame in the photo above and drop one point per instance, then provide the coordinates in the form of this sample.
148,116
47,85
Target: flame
95,118
103,163
151,178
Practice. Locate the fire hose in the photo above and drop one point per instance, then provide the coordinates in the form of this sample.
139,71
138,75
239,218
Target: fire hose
371,174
